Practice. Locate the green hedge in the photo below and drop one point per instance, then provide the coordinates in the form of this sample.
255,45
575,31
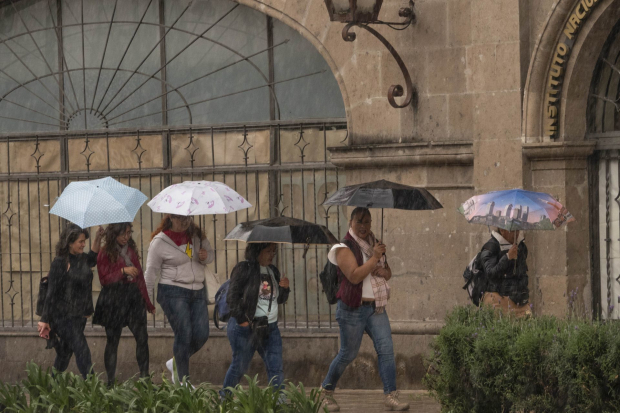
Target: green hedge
66,392
483,362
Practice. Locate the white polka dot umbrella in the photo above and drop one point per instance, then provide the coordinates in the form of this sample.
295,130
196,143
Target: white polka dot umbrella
198,198
98,202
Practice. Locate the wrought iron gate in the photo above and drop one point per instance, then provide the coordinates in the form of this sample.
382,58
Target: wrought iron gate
280,167
605,228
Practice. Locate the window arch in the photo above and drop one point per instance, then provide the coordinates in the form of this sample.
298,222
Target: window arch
603,108
111,64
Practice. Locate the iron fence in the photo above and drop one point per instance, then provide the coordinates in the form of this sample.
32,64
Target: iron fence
282,168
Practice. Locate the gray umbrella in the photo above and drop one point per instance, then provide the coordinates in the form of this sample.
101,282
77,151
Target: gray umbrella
282,230
384,194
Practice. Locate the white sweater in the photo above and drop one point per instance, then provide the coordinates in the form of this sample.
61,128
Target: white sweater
170,261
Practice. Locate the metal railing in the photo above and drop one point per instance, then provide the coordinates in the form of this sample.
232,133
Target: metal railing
282,168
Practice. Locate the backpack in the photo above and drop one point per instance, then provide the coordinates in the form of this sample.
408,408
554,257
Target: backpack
330,280
221,311
475,281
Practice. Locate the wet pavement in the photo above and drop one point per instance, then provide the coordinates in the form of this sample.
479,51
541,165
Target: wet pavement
370,401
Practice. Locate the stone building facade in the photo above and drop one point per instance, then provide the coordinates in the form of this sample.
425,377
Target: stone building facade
506,97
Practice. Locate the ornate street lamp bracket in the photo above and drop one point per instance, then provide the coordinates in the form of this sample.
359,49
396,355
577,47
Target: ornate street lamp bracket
394,90
363,21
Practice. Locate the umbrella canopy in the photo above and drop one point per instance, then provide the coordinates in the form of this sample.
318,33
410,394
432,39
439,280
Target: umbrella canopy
98,202
516,209
282,230
384,194
198,198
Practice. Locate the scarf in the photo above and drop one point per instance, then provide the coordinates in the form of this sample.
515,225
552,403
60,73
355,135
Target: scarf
124,253
179,238
380,287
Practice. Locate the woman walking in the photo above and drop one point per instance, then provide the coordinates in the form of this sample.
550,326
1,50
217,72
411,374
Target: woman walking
69,300
362,298
123,301
256,289
179,252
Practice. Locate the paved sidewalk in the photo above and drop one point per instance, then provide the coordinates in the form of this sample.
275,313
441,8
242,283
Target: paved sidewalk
370,401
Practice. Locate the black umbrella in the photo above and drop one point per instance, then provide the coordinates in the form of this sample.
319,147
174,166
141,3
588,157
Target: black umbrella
282,230
384,194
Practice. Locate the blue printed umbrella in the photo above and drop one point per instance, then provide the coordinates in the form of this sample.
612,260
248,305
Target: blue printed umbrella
98,202
516,209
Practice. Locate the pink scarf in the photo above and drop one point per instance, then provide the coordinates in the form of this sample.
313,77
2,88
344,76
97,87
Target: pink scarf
380,287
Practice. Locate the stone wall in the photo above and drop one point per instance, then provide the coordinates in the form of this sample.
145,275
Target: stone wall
306,357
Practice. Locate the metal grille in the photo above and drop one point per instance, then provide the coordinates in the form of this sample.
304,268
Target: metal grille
608,231
282,168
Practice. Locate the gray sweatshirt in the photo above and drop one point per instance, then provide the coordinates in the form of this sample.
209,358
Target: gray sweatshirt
174,264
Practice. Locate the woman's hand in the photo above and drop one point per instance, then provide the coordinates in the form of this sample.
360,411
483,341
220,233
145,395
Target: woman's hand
378,250
381,272
96,245
512,252
44,330
131,272
284,282
203,254
153,311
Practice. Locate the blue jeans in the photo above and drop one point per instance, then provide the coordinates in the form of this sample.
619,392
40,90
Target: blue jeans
353,322
243,350
188,315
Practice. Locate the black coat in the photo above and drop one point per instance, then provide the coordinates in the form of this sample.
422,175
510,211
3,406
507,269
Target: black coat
70,293
502,275
245,281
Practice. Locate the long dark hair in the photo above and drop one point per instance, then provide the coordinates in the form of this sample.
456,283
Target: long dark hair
253,250
68,236
166,224
111,246
360,210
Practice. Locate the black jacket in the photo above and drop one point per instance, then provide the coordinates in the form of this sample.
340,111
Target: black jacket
502,275
70,293
244,287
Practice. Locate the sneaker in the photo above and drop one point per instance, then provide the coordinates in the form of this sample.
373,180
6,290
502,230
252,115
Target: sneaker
329,402
392,402
170,367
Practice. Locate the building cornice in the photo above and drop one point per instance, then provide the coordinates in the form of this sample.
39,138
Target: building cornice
558,150
403,154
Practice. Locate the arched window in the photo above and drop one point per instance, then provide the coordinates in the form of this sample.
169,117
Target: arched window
97,64
603,105
154,92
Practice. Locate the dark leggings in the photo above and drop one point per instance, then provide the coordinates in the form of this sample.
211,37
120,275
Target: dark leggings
70,331
113,335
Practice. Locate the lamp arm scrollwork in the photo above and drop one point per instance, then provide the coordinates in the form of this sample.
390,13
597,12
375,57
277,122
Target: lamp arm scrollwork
394,90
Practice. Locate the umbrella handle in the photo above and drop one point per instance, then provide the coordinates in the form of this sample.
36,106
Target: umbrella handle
514,272
306,248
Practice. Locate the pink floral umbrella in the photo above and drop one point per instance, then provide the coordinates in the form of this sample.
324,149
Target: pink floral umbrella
198,198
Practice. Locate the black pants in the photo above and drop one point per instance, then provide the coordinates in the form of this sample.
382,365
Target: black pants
113,334
70,331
